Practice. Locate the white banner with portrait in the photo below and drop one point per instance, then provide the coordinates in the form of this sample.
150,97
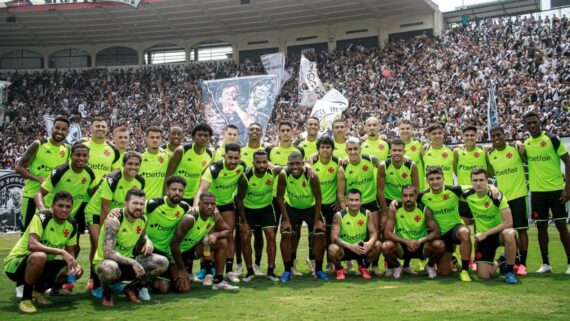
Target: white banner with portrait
11,185
239,101
73,136
310,85
329,108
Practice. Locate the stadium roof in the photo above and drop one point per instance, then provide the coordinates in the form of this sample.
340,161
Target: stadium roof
158,20
499,8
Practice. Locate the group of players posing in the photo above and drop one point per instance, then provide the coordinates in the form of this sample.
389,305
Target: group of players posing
150,215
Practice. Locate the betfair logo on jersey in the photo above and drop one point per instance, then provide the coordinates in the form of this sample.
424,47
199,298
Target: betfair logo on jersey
124,248
153,174
188,175
101,167
361,181
507,171
45,168
483,217
352,238
162,228
232,186
49,243
466,167
539,158
444,211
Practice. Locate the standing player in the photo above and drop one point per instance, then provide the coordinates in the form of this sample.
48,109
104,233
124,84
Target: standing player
413,149
327,168
76,178
299,198
231,136
339,135
154,163
437,154
395,173
254,135
41,157
309,144
355,237
221,179
197,234
494,227
190,161
163,215
32,260
103,157
175,138
110,194
119,240
506,164
374,145
464,160
407,236
279,156
255,209
121,139
444,203
549,193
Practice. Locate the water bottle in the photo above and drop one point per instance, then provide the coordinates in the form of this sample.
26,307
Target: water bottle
207,251
71,278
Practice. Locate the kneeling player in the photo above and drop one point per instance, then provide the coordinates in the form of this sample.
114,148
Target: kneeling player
114,260
194,238
354,236
33,263
494,227
406,231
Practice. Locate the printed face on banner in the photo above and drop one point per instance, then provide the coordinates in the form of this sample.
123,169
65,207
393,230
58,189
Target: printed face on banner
239,101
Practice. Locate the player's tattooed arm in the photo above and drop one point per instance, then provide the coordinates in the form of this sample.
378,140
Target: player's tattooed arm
153,264
435,232
24,163
111,229
242,190
335,232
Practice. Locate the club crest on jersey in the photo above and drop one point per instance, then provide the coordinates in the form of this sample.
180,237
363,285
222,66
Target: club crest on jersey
107,153
476,154
331,170
177,214
486,204
360,222
509,155
238,171
268,182
365,168
444,155
417,218
543,144
204,163
445,197
381,147
66,232
139,230
62,153
404,175
83,180
161,159
413,148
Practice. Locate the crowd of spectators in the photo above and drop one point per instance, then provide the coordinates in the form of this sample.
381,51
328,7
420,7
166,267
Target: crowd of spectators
424,79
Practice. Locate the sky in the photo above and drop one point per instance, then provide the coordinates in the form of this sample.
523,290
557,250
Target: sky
450,5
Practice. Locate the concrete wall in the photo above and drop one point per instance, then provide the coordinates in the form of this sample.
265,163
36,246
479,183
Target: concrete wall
252,41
